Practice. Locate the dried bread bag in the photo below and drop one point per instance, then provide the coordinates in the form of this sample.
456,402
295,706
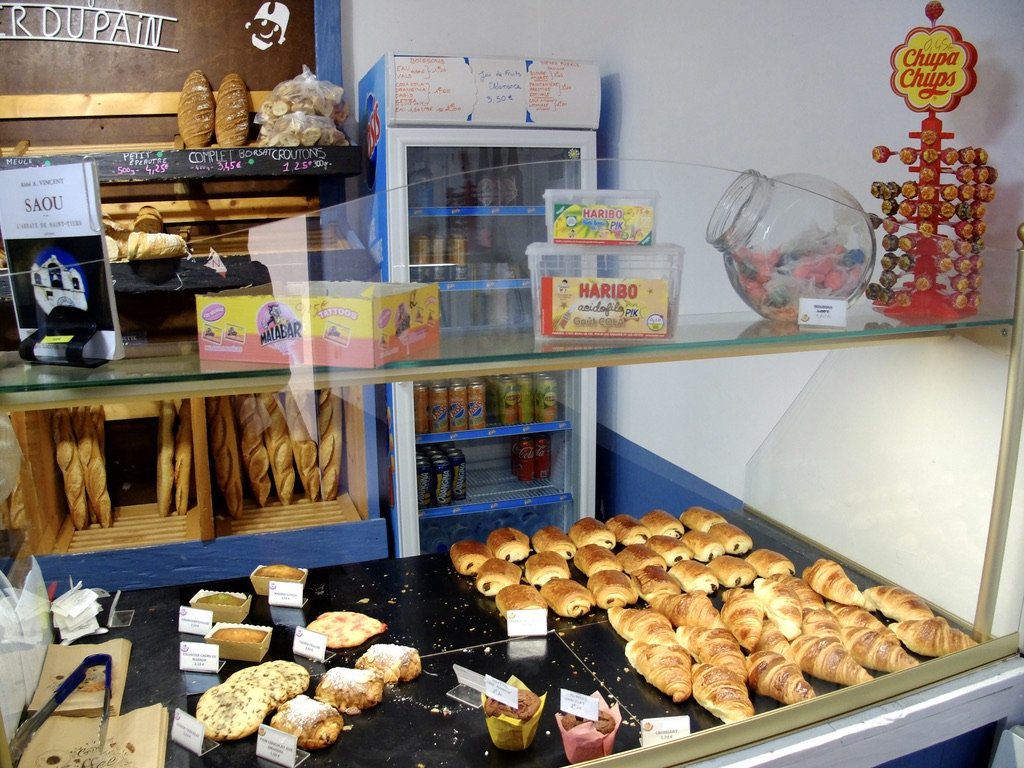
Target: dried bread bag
303,111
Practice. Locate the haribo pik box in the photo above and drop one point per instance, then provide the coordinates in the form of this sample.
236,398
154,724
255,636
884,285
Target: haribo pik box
345,324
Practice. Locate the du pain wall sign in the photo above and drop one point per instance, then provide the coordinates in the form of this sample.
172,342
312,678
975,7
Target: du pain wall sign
151,45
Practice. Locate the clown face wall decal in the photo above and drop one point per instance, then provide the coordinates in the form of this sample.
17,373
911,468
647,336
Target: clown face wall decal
269,25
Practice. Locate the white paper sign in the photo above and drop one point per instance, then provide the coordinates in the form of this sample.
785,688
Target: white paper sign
578,704
198,657
658,730
527,621
825,312
194,621
309,644
287,594
276,746
187,732
500,691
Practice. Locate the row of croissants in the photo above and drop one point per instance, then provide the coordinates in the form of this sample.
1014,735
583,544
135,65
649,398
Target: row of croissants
705,614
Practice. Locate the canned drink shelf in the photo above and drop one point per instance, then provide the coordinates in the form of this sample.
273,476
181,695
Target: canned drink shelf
444,211
492,486
493,430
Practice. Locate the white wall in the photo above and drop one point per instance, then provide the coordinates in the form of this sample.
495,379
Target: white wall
791,85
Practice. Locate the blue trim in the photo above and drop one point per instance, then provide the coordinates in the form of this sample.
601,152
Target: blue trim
227,557
538,427
632,480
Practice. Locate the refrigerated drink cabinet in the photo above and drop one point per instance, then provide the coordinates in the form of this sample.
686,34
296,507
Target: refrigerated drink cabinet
459,153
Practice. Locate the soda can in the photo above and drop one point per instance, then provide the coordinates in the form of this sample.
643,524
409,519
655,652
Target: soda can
423,481
523,458
545,398
542,457
476,404
459,484
457,405
421,407
438,408
507,400
524,384
441,481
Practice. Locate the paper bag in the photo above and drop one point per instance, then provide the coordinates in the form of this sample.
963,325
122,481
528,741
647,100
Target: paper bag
87,699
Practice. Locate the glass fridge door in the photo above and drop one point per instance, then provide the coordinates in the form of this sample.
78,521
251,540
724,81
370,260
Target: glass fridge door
472,210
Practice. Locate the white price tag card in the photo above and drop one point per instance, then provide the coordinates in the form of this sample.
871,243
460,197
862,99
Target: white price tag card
276,746
499,691
199,657
187,732
658,730
527,621
74,602
310,644
826,312
285,593
194,621
578,704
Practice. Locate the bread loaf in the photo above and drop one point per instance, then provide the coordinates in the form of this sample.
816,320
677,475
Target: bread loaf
165,458
239,635
196,110
329,453
226,457
231,124
297,416
279,448
183,458
140,246
280,572
252,421
148,219
71,468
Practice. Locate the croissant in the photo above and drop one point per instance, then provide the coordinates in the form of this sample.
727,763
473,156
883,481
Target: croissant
773,675
772,639
588,530
821,622
713,646
468,555
567,597
551,538
768,562
722,692
732,571
666,667
808,597
876,649
693,609
931,637
704,547
735,540
509,543
612,588
642,624
700,518
591,558
662,523
828,579
633,557
541,567
693,576
896,603
781,605
654,580
628,530
852,616
827,659
743,615
670,548
518,597
494,573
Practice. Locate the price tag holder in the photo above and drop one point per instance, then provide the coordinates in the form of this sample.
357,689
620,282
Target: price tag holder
830,313
578,704
527,622
501,691
658,730
310,644
279,747
471,685
199,657
194,621
287,594
189,733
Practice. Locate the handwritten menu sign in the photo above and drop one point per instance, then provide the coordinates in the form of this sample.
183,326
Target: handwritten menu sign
549,93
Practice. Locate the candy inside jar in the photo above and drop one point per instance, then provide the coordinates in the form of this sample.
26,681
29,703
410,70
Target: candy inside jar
791,237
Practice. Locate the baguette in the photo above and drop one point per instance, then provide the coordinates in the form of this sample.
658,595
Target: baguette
468,555
140,246
896,603
666,667
781,605
297,416
828,579
722,692
165,458
90,454
931,637
224,446
567,598
183,458
71,468
279,448
773,675
693,609
612,588
826,659
252,422
662,523
743,615
551,538
628,530
541,567
876,649
329,426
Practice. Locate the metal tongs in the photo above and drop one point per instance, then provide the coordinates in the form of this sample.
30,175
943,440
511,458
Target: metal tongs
24,733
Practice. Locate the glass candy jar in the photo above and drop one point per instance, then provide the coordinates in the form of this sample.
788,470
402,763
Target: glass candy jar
790,237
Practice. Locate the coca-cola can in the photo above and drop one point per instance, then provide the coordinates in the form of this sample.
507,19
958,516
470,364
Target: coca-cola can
542,457
523,458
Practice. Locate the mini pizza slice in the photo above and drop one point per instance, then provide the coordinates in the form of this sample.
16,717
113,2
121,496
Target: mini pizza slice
346,629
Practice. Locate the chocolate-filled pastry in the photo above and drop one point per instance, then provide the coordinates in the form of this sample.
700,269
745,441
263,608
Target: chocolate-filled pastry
732,571
700,518
633,557
541,567
652,580
628,530
768,562
703,546
735,540
518,597
588,530
591,558
468,555
693,576
568,598
611,588
551,538
509,543
662,523
670,548
494,574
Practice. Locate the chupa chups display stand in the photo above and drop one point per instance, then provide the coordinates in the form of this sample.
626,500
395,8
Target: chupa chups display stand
934,224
